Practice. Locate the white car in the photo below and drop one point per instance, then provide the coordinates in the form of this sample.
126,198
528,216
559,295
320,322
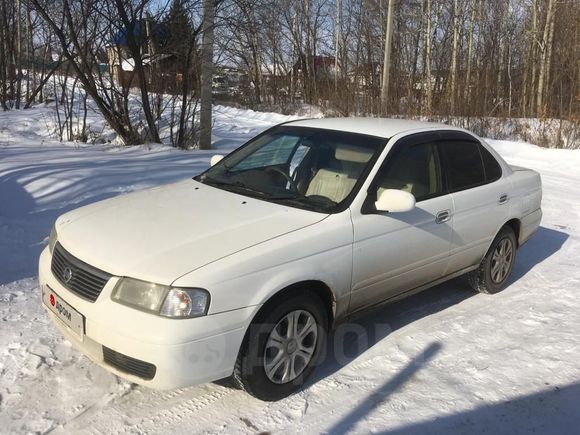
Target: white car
241,270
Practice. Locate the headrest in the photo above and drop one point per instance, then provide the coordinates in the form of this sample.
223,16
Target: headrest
351,153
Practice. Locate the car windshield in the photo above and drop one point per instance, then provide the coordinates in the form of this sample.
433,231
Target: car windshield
303,167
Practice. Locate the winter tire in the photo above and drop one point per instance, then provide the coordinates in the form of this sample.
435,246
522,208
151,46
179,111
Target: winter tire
497,265
282,347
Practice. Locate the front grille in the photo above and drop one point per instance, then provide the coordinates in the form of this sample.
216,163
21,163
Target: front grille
129,365
80,278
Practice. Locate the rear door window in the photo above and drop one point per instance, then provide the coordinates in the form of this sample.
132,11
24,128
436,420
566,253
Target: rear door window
463,165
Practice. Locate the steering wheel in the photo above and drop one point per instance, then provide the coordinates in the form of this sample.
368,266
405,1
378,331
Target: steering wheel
293,186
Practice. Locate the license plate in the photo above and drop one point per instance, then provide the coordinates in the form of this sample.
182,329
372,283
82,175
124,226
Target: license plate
63,311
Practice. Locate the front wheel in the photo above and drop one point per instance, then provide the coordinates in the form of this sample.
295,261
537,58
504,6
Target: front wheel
281,347
497,265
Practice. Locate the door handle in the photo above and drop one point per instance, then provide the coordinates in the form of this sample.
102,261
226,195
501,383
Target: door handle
503,198
442,216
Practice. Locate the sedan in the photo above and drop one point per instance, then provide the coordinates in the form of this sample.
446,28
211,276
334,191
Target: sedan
242,271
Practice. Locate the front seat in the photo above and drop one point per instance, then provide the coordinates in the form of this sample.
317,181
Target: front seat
337,180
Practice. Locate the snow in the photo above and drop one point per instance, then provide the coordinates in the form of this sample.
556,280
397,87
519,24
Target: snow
444,361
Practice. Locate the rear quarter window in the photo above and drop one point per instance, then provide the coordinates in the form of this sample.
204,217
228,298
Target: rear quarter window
490,164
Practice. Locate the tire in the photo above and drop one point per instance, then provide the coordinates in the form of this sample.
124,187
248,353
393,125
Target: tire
255,370
497,265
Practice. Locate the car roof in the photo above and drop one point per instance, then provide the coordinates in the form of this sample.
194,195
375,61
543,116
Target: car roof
380,127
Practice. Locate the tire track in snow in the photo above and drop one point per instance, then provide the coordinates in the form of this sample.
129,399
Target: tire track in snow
92,410
156,412
173,416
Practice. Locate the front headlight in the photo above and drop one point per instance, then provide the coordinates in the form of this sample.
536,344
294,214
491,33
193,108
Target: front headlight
52,239
160,299
185,302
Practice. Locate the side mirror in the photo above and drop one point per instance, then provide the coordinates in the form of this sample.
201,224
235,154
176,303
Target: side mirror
395,201
215,159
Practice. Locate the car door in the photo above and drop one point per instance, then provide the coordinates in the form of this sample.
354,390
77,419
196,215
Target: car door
396,252
480,196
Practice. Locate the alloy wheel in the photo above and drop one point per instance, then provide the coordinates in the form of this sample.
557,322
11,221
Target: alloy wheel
501,260
290,346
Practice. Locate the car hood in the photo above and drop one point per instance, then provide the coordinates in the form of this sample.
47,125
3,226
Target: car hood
163,233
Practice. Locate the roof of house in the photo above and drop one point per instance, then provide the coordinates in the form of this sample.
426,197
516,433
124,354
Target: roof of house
381,127
159,32
128,64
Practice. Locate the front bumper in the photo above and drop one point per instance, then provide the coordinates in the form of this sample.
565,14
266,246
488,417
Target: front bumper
184,351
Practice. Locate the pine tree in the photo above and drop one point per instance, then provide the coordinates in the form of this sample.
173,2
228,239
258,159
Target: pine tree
180,30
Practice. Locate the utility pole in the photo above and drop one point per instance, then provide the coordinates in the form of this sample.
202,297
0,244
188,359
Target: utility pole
206,75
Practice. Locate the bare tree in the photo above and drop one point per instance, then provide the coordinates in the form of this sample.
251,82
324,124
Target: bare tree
83,29
473,58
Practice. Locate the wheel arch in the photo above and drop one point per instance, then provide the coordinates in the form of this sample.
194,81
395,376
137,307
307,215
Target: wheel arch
245,378
516,225
319,288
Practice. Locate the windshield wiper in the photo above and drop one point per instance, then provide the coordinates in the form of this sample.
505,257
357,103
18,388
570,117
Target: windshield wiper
236,185
300,198
314,202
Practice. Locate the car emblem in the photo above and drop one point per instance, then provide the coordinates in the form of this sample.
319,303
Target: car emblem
67,274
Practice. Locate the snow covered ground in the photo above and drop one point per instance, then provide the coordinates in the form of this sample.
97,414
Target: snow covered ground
444,361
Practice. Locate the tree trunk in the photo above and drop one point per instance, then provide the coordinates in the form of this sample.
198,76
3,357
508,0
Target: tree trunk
428,102
123,129
206,75
44,80
387,59
529,65
510,84
499,91
295,56
549,53
453,73
478,59
181,132
30,54
467,89
18,55
336,45
3,56
544,61
411,110
135,50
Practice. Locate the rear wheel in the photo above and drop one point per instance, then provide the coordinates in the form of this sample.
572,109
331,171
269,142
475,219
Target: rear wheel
281,347
497,265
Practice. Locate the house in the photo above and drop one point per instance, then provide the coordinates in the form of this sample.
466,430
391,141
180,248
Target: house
227,80
161,67
366,75
319,66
